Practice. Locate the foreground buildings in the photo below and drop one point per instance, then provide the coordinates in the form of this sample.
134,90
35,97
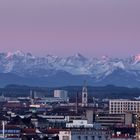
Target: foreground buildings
84,134
59,118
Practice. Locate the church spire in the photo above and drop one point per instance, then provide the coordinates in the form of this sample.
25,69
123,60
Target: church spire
84,95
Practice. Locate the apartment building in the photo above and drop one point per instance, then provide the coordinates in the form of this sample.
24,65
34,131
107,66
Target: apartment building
122,106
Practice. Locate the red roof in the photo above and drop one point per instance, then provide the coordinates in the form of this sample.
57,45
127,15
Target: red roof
29,131
53,131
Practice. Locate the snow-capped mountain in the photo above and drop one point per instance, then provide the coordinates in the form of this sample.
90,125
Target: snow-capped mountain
104,70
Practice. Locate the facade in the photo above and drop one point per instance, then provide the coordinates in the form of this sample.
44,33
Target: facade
84,97
10,131
49,100
110,119
35,95
79,124
62,94
122,138
123,133
54,118
90,116
83,134
122,106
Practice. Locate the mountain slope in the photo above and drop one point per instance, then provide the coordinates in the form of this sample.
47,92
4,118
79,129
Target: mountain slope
24,68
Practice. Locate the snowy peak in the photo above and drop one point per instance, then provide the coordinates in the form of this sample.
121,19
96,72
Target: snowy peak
105,58
19,53
51,57
9,55
136,58
25,64
16,53
119,65
76,59
80,57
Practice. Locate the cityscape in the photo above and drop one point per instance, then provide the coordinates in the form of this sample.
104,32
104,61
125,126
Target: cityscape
70,70
58,116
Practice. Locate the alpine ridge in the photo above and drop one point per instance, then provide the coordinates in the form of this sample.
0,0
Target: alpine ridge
55,71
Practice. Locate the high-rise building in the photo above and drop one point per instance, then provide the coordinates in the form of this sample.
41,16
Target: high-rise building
84,96
32,96
63,94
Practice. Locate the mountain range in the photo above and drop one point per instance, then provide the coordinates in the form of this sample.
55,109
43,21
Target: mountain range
27,69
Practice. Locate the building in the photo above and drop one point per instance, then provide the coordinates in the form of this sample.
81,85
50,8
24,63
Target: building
84,96
46,101
90,115
79,124
2,98
16,105
122,106
10,131
110,119
36,94
123,133
122,137
62,94
83,134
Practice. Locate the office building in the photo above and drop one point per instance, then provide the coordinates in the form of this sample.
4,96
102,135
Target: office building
123,106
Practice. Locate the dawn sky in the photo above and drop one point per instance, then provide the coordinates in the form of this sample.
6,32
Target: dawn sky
65,27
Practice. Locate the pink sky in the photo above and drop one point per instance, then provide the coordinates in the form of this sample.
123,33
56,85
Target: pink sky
93,28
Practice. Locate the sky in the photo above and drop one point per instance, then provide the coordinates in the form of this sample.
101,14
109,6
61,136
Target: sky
65,27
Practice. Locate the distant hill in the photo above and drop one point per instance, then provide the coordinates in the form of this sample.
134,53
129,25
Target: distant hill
109,91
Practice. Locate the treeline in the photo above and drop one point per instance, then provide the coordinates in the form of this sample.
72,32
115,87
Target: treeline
109,91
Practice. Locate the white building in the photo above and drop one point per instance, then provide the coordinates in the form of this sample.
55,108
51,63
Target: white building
79,124
62,94
84,134
84,97
122,106
49,100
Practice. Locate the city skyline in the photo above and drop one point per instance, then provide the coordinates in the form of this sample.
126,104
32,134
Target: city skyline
93,28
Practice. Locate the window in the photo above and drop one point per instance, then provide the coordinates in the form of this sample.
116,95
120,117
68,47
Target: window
106,137
79,137
86,137
99,137
85,95
93,137
65,138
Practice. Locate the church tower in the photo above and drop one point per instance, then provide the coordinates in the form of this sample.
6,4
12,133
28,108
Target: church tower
84,96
